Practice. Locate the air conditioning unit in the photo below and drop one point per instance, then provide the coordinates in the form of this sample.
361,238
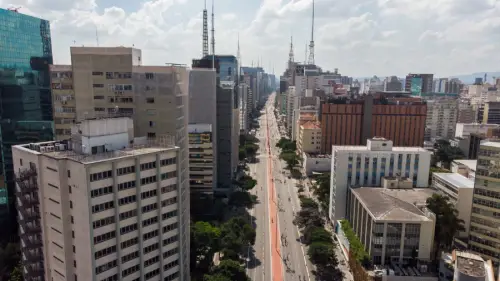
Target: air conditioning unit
43,149
49,148
64,102
61,147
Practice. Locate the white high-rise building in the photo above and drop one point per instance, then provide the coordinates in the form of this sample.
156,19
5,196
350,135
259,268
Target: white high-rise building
103,205
366,165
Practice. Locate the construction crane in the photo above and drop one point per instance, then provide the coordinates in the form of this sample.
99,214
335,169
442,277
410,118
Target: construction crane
16,10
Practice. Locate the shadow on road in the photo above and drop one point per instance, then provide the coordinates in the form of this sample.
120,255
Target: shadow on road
253,261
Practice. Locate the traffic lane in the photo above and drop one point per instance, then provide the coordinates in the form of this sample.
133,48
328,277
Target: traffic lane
259,265
295,253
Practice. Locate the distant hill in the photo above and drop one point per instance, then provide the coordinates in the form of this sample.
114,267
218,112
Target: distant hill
465,78
469,78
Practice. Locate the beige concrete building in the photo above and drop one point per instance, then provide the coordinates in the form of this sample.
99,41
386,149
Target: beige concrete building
63,99
484,238
113,82
309,140
201,158
392,221
103,205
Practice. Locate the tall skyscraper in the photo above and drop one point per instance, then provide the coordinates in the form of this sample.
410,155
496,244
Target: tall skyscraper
25,98
226,107
102,206
202,130
113,82
484,224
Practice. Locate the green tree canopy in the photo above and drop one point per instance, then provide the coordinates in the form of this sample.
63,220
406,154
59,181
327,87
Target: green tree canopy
242,199
205,242
321,253
447,222
227,270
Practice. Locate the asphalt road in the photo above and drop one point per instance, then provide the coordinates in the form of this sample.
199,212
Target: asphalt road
278,253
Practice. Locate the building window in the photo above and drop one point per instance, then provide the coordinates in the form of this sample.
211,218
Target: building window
150,100
69,176
151,135
98,85
150,76
97,73
152,124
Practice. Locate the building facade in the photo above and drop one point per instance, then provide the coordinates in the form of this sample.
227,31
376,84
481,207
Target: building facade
202,125
401,120
108,206
441,118
366,165
309,140
63,100
460,190
417,84
225,137
201,158
113,82
25,97
484,223
392,224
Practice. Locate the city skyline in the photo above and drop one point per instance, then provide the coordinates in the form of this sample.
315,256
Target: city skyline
360,38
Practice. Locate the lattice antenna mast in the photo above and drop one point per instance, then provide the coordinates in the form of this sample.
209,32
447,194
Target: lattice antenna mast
238,57
311,44
213,36
205,31
290,54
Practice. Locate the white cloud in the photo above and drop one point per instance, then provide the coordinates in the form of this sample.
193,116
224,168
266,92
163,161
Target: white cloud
360,37
228,17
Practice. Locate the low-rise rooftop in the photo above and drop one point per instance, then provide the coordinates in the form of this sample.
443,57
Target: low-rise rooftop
455,179
471,164
394,204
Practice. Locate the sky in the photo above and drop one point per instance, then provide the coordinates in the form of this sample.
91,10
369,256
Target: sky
359,37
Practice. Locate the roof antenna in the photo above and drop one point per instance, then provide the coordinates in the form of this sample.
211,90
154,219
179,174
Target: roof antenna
96,36
213,37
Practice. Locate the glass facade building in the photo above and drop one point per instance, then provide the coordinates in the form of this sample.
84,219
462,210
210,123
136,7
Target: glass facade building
25,96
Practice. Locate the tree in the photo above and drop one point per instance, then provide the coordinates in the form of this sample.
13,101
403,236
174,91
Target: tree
204,244
17,273
227,270
321,253
242,199
319,234
247,182
242,154
290,158
322,189
445,153
447,222
236,235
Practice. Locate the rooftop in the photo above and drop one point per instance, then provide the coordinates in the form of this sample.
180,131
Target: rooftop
57,151
311,125
455,179
490,143
394,204
361,148
470,264
471,164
